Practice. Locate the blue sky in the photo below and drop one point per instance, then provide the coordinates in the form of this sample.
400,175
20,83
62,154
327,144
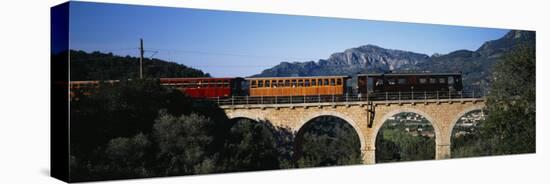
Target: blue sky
225,43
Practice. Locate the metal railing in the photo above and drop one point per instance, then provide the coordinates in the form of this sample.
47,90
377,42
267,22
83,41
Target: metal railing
377,96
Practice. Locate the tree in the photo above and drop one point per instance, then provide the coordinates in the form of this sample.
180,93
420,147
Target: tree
401,139
327,141
395,144
511,103
128,157
106,66
250,146
183,143
121,110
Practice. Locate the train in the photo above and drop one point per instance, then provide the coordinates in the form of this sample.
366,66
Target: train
205,87
361,85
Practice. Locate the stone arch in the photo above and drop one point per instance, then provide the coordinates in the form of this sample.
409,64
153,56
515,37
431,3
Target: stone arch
344,117
436,126
245,115
459,115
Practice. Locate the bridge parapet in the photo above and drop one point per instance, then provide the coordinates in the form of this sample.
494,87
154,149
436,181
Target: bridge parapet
400,97
350,103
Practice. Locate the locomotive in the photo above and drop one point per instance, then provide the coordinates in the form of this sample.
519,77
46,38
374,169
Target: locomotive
409,82
361,84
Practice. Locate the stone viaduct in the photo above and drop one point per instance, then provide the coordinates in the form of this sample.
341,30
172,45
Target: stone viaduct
365,117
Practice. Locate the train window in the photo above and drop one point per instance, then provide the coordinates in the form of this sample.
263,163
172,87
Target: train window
332,82
293,83
442,81
369,83
306,82
253,84
339,82
401,81
320,82
314,82
325,82
422,80
432,80
379,82
287,83
300,83
450,80
267,83
260,83
192,85
391,81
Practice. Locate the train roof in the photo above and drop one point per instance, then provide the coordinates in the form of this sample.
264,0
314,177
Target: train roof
301,77
176,78
201,78
409,74
93,81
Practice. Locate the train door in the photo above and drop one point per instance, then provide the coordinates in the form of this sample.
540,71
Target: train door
348,87
412,82
451,83
362,85
320,87
370,84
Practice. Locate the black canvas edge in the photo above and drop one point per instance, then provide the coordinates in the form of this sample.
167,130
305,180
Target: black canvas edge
59,97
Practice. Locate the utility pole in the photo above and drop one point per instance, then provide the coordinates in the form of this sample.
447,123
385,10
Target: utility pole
141,58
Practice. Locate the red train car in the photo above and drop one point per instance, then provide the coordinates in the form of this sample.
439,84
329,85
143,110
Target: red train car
84,87
205,87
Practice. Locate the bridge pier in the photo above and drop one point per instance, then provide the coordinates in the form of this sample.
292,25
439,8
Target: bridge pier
369,156
442,151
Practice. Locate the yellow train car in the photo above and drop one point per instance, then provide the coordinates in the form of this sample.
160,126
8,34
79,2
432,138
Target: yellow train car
297,86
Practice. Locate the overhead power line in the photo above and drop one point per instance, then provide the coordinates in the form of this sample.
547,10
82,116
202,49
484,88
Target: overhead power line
236,54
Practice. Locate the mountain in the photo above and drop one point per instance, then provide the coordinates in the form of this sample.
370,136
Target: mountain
351,61
106,66
475,65
506,43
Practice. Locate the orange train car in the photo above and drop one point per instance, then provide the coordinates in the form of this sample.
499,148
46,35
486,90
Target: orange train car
297,86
